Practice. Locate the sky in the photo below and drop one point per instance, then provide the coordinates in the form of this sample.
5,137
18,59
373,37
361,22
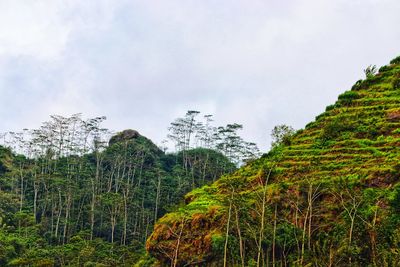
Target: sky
144,63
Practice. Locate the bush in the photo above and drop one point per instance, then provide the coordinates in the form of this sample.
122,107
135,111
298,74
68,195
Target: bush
395,60
282,135
347,97
384,69
330,107
218,242
394,199
366,131
396,83
370,71
310,125
357,85
335,128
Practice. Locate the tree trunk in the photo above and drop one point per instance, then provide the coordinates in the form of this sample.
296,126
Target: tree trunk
241,249
67,212
59,212
227,230
35,195
176,254
157,198
304,237
274,235
310,203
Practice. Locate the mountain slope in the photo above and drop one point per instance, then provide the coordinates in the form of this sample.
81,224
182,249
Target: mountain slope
328,198
96,207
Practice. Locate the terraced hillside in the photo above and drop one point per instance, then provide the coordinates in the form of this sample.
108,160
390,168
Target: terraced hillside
328,196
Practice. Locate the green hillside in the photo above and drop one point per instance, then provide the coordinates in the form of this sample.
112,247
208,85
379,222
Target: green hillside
65,204
328,196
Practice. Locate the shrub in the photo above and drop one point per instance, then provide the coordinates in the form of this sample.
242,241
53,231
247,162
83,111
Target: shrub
395,60
394,199
330,107
370,71
384,68
282,135
347,97
310,125
320,116
357,85
366,131
335,128
396,83
218,242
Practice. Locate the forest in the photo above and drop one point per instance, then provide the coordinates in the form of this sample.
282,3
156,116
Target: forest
74,194
199,133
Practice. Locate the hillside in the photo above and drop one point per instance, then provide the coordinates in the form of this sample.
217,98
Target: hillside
327,197
71,205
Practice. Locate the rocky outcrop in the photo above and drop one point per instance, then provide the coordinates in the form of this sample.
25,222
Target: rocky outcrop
125,135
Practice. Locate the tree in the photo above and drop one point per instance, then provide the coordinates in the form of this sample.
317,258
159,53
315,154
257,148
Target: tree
282,135
187,133
72,183
370,71
350,201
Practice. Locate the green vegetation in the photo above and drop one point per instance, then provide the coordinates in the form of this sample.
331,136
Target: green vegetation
72,194
326,196
282,135
370,71
70,198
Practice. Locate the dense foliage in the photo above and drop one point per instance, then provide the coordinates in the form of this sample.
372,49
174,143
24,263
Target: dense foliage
70,198
327,195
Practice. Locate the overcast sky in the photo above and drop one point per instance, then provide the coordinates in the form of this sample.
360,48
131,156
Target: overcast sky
144,63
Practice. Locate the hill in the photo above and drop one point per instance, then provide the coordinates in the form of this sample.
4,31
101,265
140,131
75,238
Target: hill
72,200
328,196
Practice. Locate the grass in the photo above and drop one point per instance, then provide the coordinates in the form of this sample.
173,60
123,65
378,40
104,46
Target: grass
363,148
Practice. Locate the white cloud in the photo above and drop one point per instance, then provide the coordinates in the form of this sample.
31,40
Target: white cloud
143,63
31,28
